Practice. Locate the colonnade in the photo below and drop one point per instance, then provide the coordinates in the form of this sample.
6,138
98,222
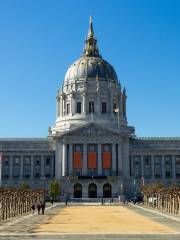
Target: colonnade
163,169
11,165
116,159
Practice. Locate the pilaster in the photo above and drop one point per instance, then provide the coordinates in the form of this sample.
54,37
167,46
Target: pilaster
114,159
152,167
70,159
42,166
21,167
64,159
84,170
174,167
99,160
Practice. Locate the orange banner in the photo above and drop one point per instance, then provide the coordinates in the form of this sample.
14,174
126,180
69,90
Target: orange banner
106,160
77,160
92,160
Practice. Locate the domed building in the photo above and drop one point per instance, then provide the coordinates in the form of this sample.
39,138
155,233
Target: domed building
90,92
91,151
91,131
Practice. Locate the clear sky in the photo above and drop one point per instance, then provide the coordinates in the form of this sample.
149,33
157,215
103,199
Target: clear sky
39,39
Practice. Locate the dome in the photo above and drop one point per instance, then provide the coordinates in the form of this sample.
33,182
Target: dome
90,67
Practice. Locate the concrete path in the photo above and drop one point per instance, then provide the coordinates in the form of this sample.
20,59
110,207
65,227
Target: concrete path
93,222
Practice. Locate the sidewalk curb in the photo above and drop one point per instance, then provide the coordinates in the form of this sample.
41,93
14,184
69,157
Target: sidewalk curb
14,221
157,212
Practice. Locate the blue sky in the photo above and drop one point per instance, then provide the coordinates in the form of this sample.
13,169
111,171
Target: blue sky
40,39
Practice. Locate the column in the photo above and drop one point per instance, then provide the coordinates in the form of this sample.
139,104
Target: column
70,159
132,166
52,165
84,103
111,103
73,108
114,159
58,160
11,168
163,167
57,106
120,163
21,167
42,166
32,167
99,160
98,108
64,159
61,105
174,167
126,157
85,167
152,166
142,166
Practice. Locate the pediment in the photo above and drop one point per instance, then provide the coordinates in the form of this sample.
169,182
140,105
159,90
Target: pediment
91,130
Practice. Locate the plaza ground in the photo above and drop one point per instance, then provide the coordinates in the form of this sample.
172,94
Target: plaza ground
92,222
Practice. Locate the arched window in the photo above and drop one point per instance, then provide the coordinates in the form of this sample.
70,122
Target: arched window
107,190
92,190
77,190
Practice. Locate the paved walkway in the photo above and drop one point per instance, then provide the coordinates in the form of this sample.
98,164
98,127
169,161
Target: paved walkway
92,222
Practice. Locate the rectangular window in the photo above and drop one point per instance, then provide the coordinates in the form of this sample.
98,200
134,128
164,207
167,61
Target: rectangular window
104,110
158,166
47,161
177,166
168,166
91,107
147,167
68,108
78,110
137,166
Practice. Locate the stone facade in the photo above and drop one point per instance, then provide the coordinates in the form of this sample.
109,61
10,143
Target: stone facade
91,150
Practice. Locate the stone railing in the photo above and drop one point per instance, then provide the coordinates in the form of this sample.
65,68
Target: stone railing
14,202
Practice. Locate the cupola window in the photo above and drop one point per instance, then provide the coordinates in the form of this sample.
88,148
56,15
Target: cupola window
91,107
68,108
104,108
78,107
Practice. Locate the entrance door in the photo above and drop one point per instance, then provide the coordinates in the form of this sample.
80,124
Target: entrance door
92,190
107,191
77,190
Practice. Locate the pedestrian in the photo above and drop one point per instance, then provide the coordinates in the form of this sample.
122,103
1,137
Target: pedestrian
66,200
33,208
102,201
39,208
112,200
43,207
52,200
